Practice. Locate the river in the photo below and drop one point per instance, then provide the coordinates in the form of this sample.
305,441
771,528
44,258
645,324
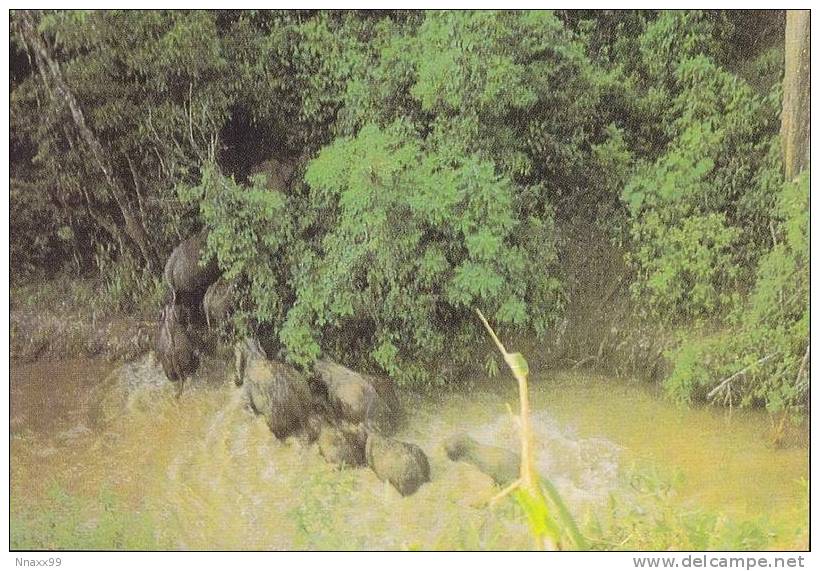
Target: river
105,457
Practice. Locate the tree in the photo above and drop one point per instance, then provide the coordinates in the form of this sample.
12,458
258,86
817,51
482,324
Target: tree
794,130
62,93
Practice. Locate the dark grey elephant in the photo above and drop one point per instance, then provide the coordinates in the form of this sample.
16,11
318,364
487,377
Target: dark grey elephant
187,273
217,303
500,464
402,464
174,348
343,445
278,172
275,390
358,398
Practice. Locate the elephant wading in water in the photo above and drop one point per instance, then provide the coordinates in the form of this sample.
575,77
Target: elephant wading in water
402,464
174,348
500,464
358,398
275,390
344,445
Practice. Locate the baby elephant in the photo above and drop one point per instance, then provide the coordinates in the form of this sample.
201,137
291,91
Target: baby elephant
174,348
404,465
275,390
499,464
343,446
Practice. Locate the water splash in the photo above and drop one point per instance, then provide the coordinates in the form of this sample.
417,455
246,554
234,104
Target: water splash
585,470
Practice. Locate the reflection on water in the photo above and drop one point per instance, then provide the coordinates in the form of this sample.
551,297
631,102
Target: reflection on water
211,475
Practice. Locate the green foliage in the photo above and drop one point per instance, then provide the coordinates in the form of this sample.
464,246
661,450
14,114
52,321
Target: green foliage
416,235
764,349
677,35
491,82
450,149
698,211
685,264
149,85
548,517
126,286
250,228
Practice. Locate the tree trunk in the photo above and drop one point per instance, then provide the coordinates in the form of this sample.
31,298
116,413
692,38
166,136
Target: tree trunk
794,127
53,79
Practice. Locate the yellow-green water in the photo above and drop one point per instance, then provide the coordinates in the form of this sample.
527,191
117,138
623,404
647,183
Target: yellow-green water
204,473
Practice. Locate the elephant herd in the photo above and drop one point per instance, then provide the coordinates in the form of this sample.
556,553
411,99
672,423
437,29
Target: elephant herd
349,415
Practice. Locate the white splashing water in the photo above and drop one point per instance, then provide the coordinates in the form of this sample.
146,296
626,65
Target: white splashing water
585,470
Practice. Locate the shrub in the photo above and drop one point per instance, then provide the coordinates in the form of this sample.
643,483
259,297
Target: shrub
250,229
698,212
414,235
762,356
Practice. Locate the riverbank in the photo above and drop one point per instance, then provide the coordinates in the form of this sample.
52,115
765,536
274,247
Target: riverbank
67,319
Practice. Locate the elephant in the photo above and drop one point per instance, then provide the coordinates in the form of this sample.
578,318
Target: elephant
344,445
174,348
185,313
402,464
275,390
218,302
278,172
359,398
500,464
184,273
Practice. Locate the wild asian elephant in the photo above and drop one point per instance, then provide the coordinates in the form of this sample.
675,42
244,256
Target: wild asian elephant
174,348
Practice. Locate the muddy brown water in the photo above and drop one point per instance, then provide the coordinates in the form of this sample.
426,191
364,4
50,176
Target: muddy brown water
210,475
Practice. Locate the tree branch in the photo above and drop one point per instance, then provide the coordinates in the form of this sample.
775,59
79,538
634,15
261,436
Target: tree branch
731,378
53,78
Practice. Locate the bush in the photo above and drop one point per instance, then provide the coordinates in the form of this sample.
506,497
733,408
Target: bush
383,261
250,228
698,212
762,357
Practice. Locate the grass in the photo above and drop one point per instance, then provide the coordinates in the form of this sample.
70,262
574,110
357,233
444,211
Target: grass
66,295
647,517
323,494
652,518
73,522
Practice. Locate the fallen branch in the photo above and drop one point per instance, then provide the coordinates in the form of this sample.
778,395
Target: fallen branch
731,378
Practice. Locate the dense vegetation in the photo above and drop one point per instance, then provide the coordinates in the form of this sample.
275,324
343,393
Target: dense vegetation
444,161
